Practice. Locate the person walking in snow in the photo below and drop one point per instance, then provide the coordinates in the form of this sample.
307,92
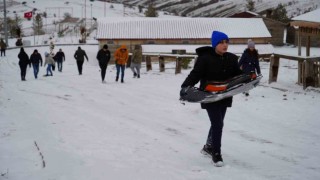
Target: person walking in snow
36,60
213,64
79,55
121,57
249,61
3,47
59,58
24,61
50,61
136,61
103,57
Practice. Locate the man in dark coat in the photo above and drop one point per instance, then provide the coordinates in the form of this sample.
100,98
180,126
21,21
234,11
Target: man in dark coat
24,61
59,58
36,59
214,64
103,57
3,47
79,56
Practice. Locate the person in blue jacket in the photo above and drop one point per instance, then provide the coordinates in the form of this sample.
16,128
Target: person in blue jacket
249,61
213,64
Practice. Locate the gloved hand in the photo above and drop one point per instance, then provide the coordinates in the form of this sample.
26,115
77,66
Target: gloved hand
183,91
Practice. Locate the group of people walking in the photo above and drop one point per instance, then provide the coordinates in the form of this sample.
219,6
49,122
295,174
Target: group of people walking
121,57
36,61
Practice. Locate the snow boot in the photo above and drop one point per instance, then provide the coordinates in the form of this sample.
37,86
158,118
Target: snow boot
134,75
117,78
207,150
138,75
122,81
217,160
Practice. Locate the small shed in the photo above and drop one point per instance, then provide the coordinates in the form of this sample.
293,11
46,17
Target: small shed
308,26
276,28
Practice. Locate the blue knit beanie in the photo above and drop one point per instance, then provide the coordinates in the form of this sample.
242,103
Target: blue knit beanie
218,36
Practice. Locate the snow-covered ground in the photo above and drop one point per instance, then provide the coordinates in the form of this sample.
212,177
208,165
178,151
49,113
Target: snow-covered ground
81,129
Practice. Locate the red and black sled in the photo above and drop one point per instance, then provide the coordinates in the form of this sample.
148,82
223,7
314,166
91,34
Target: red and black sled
215,91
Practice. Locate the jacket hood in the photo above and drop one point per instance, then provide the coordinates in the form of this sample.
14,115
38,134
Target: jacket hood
123,47
204,50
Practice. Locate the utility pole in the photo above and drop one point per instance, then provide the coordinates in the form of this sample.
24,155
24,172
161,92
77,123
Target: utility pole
5,22
85,13
91,14
105,8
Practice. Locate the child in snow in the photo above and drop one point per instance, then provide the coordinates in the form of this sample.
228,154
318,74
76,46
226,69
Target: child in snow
50,61
213,64
249,61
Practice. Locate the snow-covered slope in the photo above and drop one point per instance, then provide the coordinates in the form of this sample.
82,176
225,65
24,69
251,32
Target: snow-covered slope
71,127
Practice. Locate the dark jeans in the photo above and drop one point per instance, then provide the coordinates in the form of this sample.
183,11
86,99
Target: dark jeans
122,68
3,52
80,64
103,67
35,70
49,70
59,63
23,69
216,114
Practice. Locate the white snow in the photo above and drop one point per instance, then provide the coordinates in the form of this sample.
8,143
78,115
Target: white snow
139,130
81,129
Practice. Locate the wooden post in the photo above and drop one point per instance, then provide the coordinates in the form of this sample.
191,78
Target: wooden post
148,63
299,41
308,79
308,46
178,65
274,68
161,64
300,72
178,59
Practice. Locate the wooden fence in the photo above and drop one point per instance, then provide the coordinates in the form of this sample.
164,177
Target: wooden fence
308,69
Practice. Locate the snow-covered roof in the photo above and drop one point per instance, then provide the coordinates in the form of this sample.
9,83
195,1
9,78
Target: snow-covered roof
313,16
233,48
179,28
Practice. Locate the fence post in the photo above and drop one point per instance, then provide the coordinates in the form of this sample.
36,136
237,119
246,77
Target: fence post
148,63
161,64
308,79
178,59
274,68
178,65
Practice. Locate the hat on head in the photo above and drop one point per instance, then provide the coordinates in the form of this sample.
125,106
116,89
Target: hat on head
105,46
218,36
251,44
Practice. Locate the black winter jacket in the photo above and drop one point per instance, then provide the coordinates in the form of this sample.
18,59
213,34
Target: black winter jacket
59,57
24,59
250,61
211,66
80,54
36,58
103,56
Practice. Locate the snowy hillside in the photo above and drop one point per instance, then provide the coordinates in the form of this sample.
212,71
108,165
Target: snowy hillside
222,8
